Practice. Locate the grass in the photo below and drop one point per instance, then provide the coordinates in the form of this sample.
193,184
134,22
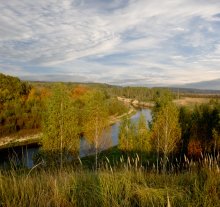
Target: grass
116,158
70,187
124,184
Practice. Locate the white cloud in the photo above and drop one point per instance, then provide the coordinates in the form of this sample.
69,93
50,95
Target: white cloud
160,41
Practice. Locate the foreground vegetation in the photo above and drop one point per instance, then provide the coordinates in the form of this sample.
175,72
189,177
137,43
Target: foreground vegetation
109,187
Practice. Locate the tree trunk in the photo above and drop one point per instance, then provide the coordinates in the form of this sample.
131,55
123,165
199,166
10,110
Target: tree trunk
165,144
164,163
96,145
96,158
215,149
61,136
158,153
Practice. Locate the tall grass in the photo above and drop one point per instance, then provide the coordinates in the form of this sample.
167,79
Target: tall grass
125,181
125,186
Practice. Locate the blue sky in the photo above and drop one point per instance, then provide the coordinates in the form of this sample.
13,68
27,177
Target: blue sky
124,42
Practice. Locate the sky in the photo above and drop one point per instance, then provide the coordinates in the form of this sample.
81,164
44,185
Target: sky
122,42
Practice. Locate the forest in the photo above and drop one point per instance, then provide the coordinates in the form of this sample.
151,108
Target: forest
172,160
22,104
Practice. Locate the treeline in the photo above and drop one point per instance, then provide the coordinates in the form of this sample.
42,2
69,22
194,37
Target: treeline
139,93
174,133
151,94
191,92
22,104
200,128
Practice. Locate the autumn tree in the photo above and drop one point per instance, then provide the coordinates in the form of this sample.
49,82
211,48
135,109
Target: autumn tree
161,99
79,91
12,88
96,121
134,137
60,128
17,112
204,119
142,141
166,131
194,148
127,135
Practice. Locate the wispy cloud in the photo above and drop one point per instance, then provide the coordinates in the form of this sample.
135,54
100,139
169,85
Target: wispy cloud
115,41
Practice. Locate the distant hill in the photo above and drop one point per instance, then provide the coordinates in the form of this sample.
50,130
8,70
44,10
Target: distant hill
195,91
204,85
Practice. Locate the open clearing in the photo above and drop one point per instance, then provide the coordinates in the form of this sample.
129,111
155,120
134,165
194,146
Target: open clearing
186,101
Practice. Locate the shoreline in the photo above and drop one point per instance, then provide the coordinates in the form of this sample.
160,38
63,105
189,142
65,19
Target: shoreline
136,103
16,140
115,119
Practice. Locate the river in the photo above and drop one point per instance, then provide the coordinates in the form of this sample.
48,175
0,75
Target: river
24,154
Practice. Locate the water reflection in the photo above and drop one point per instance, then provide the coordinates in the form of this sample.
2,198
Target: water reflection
18,156
111,140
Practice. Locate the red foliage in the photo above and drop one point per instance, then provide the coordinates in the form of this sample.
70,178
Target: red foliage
79,91
194,148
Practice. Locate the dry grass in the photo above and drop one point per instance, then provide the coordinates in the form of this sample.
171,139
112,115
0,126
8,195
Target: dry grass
126,186
188,101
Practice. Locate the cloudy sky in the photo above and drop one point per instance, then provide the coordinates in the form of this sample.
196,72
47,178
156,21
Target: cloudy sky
123,42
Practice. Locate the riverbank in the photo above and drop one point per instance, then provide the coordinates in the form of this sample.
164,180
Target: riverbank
19,140
115,119
183,101
16,140
136,103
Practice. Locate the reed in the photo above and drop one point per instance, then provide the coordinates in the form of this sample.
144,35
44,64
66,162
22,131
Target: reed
128,184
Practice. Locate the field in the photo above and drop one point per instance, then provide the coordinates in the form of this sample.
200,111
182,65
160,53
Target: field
188,101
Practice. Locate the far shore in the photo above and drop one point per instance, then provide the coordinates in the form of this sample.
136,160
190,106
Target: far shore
136,103
19,140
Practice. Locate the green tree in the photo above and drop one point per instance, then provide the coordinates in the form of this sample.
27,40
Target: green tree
127,135
166,131
60,128
143,138
96,121
161,99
